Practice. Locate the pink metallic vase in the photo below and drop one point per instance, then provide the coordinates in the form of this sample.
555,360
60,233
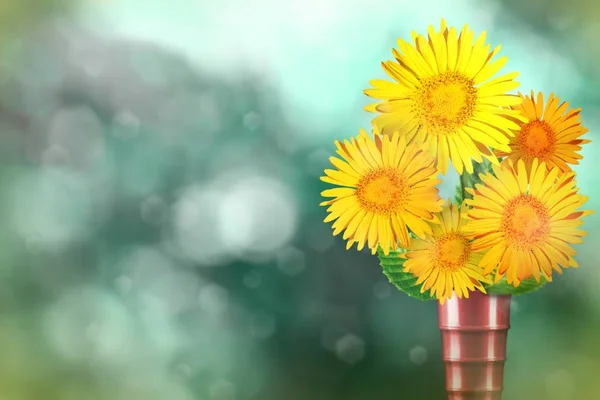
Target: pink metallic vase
474,333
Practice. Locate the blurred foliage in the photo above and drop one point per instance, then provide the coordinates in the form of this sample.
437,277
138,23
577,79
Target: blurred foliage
162,239
19,15
550,17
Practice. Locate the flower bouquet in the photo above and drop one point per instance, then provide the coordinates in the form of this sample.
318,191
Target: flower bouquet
516,212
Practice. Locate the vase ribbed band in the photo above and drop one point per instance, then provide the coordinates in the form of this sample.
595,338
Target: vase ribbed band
474,333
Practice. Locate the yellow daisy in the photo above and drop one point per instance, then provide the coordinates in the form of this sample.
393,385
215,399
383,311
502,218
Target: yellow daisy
445,262
528,221
552,133
443,96
385,186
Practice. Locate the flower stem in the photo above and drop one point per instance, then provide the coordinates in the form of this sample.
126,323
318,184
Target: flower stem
464,184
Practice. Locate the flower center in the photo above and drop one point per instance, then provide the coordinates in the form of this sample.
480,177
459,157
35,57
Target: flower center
525,222
536,140
382,191
445,102
451,251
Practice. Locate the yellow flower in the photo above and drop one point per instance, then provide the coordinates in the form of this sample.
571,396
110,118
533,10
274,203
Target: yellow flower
445,261
443,96
552,134
528,221
384,186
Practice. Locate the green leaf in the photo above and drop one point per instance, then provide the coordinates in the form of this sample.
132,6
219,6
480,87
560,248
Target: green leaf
406,282
526,286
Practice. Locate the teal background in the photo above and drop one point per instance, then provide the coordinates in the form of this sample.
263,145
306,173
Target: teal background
161,236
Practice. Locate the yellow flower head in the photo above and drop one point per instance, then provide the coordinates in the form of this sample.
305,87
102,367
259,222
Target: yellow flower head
443,96
526,221
552,133
445,262
384,186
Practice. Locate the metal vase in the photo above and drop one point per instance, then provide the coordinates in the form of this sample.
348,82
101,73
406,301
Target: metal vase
474,333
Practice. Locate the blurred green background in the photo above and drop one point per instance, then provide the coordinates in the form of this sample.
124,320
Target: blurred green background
161,236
